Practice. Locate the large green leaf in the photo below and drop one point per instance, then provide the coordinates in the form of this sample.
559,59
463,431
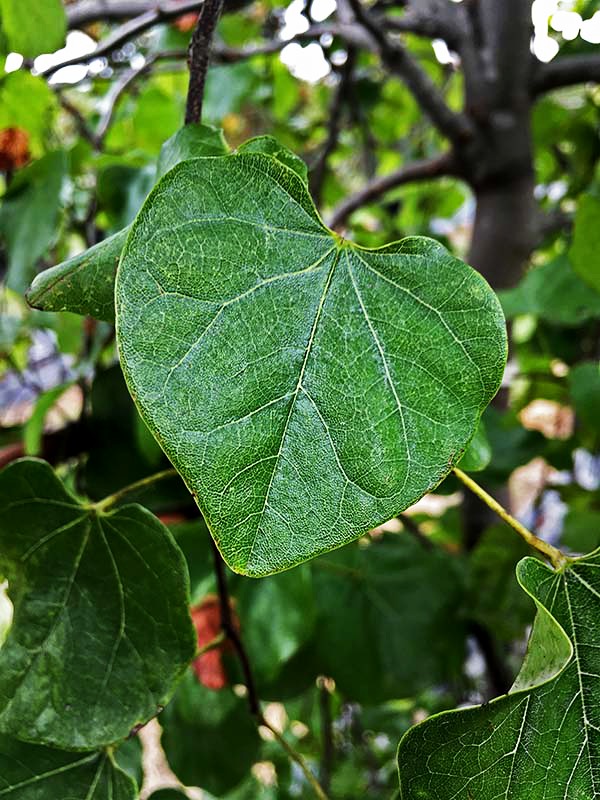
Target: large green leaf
305,388
33,27
390,621
585,250
30,772
101,630
85,284
29,216
542,740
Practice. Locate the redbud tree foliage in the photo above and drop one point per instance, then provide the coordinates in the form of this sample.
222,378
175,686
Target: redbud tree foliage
299,391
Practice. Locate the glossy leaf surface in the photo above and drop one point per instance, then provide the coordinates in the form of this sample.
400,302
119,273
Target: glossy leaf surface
305,388
542,740
101,630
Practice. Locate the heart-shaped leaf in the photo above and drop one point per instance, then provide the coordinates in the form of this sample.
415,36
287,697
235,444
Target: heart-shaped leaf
101,630
30,772
305,388
543,739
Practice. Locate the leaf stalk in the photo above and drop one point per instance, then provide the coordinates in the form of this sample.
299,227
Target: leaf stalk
556,557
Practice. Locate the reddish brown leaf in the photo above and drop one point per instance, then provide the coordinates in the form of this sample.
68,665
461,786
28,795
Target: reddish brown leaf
186,22
209,667
14,149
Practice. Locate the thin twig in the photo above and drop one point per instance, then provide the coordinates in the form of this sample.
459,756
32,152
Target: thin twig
443,164
199,56
567,71
129,30
456,127
557,558
327,747
254,705
334,116
415,531
212,645
295,756
111,499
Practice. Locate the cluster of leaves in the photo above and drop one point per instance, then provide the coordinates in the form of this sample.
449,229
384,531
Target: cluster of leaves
335,386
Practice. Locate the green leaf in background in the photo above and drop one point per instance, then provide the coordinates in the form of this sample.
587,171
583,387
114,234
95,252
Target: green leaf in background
191,141
271,147
585,250
29,215
34,116
584,388
390,610
248,332
540,741
33,27
278,616
209,737
101,630
34,427
478,453
554,293
30,772
495,599
84,284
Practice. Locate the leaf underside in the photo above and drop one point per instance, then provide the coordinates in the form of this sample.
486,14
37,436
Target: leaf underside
542,741
101,630
305,388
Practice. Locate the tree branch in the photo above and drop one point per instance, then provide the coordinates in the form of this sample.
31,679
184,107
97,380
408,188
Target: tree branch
456,127
83,12
567,71
352,34
443,164
129,30
199,56
232,634
335,112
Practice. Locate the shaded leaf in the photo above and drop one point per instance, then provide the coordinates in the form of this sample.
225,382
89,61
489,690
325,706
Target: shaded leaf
541,740
478,453
278,616
585,250
101,630
30,772
495,597
584,387
83,284
248,333
554,293
29,216
389,622
210,738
